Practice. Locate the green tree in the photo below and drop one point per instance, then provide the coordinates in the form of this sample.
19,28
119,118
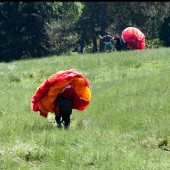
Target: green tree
164,33
89,25
22,29
61,29
147,16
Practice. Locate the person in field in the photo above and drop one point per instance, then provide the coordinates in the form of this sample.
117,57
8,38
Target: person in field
119,43
107,39
60,93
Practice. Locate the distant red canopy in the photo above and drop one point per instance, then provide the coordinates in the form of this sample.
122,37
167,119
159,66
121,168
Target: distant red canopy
134,38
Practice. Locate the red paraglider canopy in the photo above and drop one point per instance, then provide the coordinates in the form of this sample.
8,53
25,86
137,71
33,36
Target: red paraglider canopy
63,83
134,38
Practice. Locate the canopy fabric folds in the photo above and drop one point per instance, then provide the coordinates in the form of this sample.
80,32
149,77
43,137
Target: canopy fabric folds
69,84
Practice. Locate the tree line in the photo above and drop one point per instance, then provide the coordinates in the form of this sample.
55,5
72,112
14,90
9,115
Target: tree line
40,29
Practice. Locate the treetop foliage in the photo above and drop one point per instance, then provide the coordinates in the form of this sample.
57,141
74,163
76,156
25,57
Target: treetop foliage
38,29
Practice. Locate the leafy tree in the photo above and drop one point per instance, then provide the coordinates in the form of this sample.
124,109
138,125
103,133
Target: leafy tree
165,32
89,24
61,29
22,29
147,16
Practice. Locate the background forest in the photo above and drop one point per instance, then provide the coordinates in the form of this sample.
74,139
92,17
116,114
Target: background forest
40,29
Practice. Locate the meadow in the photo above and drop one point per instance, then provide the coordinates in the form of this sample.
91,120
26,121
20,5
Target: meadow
125,127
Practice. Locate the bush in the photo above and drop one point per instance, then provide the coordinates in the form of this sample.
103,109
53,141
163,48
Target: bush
154,43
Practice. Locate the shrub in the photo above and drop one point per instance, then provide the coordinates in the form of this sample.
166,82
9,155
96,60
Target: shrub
154,43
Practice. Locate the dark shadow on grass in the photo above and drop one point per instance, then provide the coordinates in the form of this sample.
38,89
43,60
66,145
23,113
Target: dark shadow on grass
40,127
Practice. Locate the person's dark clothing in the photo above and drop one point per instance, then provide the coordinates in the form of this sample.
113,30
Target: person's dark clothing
124,45
64,111
80,48
120,44
107,38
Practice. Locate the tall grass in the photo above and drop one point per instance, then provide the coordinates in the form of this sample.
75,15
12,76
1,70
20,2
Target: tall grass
125,127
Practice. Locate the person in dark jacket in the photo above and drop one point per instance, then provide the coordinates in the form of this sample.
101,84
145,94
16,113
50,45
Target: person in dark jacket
119,43
63,107
63,111
80,48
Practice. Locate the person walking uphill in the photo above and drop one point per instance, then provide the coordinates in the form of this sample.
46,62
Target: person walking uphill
108,41
63,105
60,93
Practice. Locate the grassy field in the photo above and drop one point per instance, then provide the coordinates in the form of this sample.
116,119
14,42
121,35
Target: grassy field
125,127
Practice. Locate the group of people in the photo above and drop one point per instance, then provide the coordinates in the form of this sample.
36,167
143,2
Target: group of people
118,42
109,42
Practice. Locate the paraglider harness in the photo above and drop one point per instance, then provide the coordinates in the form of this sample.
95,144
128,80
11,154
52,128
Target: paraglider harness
65,110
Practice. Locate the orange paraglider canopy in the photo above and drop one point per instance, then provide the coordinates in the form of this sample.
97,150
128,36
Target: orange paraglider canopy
62,83
134,38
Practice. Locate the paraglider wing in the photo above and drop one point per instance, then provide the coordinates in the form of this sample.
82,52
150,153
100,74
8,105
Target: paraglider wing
134,38
62,83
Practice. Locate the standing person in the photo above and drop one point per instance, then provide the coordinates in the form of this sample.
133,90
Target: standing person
108,41
80,48
119,43
63,106
60,93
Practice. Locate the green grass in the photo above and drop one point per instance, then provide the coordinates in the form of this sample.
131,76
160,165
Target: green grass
125,127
